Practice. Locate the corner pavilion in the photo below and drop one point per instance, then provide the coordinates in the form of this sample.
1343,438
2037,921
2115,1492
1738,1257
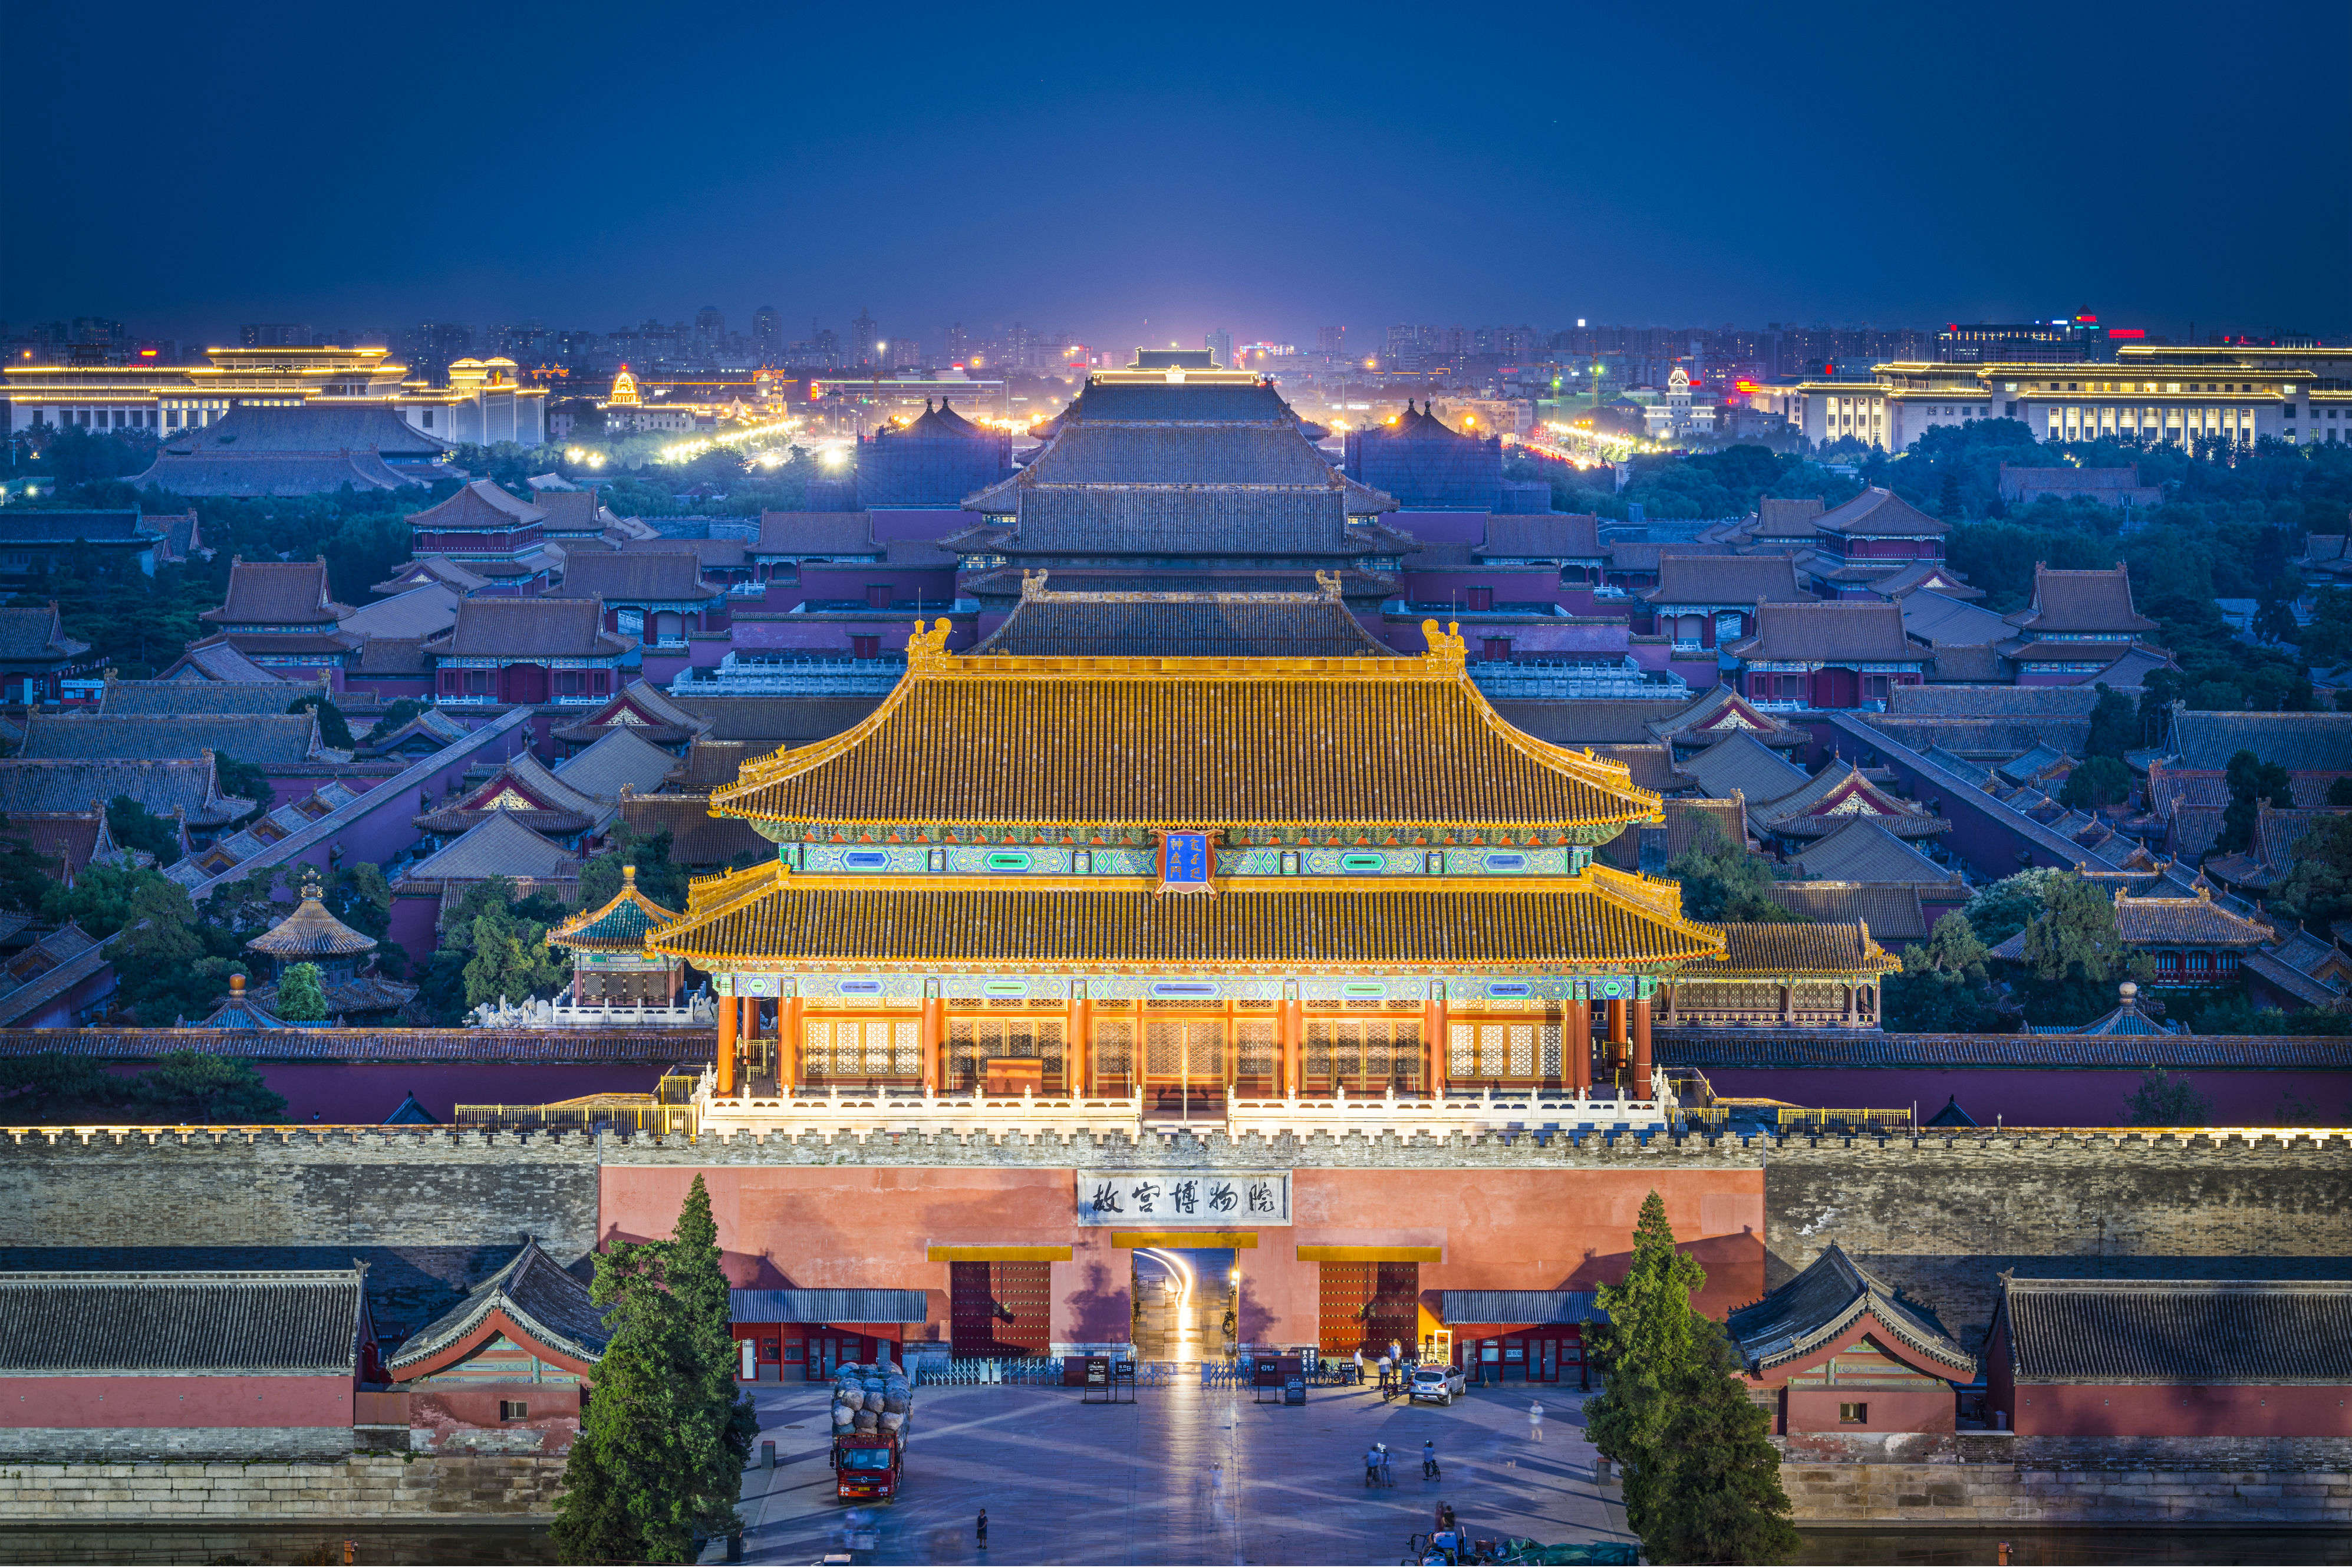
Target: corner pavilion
1180,880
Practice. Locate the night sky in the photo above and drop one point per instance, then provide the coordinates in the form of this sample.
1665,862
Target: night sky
1142,173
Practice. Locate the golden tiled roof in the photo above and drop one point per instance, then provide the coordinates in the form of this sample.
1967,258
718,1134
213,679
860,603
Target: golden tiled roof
1796,948
767,917
1119,745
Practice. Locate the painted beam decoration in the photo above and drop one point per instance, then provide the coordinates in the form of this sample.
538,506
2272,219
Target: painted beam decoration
1183,1197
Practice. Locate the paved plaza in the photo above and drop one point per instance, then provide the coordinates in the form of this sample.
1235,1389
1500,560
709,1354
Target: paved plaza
1182,1475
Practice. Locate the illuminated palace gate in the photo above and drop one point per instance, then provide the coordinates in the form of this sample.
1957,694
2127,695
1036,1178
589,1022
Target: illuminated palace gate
952,907
1365,1305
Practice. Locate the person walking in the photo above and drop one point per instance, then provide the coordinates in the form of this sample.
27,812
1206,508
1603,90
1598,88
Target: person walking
1535,1420
1372,1457
1359,1363
981,1530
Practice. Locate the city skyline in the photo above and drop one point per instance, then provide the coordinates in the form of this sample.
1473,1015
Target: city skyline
1735,171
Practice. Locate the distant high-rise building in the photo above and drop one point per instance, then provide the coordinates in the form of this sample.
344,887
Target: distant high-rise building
1219,344
1331,341
709,332
767,334
959,344
429,346
276,335
862,335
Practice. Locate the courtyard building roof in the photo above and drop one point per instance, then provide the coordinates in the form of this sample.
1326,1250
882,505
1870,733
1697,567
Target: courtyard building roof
2203,1331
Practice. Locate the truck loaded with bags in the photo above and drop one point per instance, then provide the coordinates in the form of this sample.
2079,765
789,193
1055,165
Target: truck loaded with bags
873,1405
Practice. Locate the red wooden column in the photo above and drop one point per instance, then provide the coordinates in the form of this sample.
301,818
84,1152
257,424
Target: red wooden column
1642,1047
1077,1049
1616,1035
1432,1024
729,1012
1294,1031
934,1044
787,1044
1576,1043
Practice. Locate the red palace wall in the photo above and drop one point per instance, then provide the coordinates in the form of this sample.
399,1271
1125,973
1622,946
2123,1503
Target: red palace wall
2088,1410
106,1402
845,1226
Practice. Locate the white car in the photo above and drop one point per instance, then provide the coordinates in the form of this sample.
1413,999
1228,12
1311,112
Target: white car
1440,1383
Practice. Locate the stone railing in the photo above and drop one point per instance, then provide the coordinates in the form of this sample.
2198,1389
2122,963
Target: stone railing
841,1110
1488,1112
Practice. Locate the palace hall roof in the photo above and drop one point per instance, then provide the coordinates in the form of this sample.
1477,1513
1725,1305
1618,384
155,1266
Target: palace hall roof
2076,602
1726,580
1795,949
1880,513
1721,711
1742,764
618,925
1315,624
1826,1305
1161,467
2259,1331
1833,631
1119,746
276,593
769,917
1838,794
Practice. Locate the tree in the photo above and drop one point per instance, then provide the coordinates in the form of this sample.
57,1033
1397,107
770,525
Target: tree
1702,1482
2251,782
133,826
696,1279
2115,725
659,877
1944,987
659,1459
2101,780
1999,911
2318,887
1722,882
2339,793
512,932
243,781
2074,955
1721,1480
333,729
2167,1099
25,875
300,997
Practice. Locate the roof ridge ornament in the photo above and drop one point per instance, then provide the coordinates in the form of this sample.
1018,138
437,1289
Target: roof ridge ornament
926,649
1448,650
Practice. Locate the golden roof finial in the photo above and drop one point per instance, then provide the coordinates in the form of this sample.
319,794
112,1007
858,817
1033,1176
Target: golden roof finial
1329,583
628,878
928,649
1032,584
1446,647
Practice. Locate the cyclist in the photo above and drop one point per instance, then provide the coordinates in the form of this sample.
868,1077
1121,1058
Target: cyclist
1373,1460
1429,1459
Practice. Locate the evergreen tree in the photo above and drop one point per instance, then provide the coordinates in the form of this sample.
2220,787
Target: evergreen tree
2318,888
133,826
2115,725
629,1484
301,998
2252,781
210,1089
1719,1493
26,876
1945,985
1722,881
333,729
1645,1350
2100,781
1999,911
696,1280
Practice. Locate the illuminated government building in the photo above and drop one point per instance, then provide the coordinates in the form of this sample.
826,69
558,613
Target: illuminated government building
483,402
2149,393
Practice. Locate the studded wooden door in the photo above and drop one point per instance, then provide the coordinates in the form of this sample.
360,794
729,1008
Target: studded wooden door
1000,1309
1363,1306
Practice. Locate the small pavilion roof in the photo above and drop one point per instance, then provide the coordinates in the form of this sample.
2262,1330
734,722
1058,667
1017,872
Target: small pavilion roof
1403,743
618,925
769,918
1827,1305
310,932
1838,794
532,1301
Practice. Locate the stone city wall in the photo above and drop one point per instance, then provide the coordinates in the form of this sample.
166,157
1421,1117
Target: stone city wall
1981,1480
378,1487
1939,1218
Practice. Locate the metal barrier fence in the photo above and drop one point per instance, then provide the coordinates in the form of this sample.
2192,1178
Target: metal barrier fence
639,1117
1046,1371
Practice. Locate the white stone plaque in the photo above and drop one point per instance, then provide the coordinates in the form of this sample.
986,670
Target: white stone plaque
1211,1199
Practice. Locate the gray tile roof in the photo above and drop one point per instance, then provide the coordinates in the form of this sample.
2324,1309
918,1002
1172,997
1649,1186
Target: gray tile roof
1741,762
230,473
499,847
482,504
1862,851
1823,1304
1511,1308
1847,629
619,759
1591,721
2180,1332
1878,512
1542,536
31,979
311,428
525,628
777,720
2293,740
218,661
1941,622
1247,625
661,575
1893,914
827,1306
290,1324
418,613
257,738
147,699
1726,580
34,525
36,632
188,786
278,594
545,1302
